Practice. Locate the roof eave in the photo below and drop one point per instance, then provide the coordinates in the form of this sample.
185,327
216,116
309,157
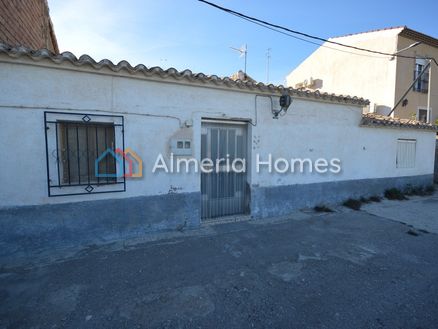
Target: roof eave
170,74
418,36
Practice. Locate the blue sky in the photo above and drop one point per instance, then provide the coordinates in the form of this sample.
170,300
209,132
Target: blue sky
187,34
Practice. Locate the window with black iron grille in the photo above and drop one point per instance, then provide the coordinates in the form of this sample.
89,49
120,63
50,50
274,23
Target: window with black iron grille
81,152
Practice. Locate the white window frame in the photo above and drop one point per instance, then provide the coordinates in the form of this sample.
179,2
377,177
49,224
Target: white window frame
422,62
427,113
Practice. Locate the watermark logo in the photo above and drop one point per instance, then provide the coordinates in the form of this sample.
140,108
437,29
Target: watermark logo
129,164
133,164
293,165
239,165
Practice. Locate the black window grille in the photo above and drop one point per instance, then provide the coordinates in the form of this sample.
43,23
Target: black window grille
81,153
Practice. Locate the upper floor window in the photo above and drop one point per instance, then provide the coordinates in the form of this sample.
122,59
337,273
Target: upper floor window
422,84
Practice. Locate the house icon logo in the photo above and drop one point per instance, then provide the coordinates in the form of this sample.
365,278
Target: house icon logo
134,162
127,159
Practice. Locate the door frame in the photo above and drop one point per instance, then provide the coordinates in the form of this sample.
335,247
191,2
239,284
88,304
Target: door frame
228,122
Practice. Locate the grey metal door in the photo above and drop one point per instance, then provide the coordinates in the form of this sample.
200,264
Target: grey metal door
223,190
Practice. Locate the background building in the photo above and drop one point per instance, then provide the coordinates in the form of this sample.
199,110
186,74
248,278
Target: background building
27,23
381,79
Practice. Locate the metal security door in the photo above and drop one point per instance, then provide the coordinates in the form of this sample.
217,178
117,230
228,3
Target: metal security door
224,189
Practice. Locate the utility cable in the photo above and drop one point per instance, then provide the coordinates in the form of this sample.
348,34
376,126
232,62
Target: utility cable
279,27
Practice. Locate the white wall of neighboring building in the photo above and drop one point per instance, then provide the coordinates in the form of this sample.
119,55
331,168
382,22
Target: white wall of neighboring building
350,72
155,110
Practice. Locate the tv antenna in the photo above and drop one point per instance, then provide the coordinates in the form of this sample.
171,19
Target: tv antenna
268,60
243,52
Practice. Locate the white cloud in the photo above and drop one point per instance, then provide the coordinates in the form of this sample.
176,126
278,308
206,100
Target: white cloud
96,28
164,33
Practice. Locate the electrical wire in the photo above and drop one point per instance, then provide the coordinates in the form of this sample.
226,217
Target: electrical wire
276,27
312,42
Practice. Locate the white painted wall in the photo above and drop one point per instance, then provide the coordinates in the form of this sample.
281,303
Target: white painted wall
350,72
310,129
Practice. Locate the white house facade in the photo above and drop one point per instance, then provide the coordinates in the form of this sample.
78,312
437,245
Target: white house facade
60,113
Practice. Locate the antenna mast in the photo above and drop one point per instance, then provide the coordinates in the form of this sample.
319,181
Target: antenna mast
246,54
268,59
243,52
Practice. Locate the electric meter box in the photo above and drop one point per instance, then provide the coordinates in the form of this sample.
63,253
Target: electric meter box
181,147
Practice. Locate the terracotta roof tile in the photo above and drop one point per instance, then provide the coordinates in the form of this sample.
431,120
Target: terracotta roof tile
158,72
240,75
377,120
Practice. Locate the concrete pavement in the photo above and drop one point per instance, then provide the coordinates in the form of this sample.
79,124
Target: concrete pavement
420,212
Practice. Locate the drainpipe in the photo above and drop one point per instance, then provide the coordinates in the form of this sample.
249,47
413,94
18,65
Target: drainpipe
429,88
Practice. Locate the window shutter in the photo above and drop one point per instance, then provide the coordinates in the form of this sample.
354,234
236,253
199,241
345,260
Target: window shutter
406,149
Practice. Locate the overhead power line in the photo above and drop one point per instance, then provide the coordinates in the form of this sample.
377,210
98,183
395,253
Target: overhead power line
277,27
309,41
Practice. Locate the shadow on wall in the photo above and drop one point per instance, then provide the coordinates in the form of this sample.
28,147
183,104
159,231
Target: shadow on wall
30,234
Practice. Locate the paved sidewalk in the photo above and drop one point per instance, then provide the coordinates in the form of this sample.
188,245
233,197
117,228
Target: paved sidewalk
419,212
338,270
